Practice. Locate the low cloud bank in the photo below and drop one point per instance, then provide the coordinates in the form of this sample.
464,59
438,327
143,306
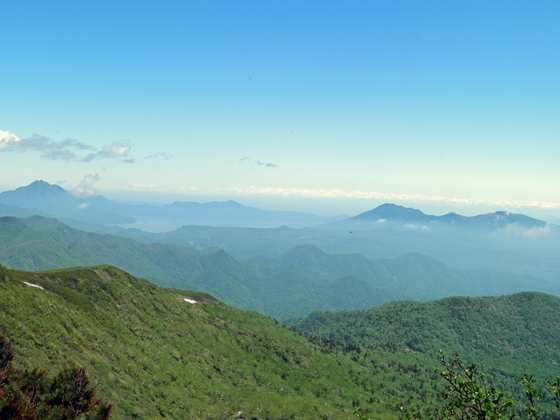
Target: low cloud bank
336,193
531,233
372,195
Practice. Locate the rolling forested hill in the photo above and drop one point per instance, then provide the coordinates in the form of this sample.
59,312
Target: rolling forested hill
299,281
506,335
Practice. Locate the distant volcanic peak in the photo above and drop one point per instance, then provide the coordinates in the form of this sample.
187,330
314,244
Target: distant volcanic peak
392,212
42,186
489,217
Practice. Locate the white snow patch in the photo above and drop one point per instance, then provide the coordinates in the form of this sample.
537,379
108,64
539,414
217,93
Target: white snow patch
190,300
34,285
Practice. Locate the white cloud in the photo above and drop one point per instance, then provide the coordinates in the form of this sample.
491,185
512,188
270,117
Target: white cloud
8,141
361,195
391,197
381,221
257,162
86,187
532,233
49,149
115,150
61,150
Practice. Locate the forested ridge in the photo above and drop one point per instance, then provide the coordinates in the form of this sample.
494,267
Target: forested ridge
293,284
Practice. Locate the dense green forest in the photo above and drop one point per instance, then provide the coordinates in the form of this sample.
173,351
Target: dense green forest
506,336
295,283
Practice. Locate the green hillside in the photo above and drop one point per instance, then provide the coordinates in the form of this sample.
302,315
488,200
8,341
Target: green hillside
507,336
37,243
155,355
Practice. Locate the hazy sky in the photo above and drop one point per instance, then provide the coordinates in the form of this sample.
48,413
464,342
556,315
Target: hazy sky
335,105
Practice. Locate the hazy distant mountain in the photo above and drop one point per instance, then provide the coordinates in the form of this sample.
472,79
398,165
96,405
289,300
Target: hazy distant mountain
394,215
12,211
412,275
86,212
55,201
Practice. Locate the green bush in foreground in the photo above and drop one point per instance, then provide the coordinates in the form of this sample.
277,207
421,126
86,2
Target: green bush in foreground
31,394
468,396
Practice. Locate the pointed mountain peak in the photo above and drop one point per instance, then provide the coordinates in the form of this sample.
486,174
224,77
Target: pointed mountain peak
42,186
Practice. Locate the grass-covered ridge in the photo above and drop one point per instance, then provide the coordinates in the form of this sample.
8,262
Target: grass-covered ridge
155,355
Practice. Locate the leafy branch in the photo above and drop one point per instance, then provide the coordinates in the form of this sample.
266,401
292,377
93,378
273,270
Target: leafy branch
469,397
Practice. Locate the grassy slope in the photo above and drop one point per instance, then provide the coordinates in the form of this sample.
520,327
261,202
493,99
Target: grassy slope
154,355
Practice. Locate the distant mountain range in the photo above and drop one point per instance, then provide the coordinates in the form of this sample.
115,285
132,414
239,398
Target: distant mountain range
90,213
93,213
500,241
394,215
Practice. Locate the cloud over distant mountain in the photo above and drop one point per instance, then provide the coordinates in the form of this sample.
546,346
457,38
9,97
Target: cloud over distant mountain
64,150
86,187
373,195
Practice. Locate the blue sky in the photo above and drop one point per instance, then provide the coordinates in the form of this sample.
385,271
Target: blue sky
321,106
